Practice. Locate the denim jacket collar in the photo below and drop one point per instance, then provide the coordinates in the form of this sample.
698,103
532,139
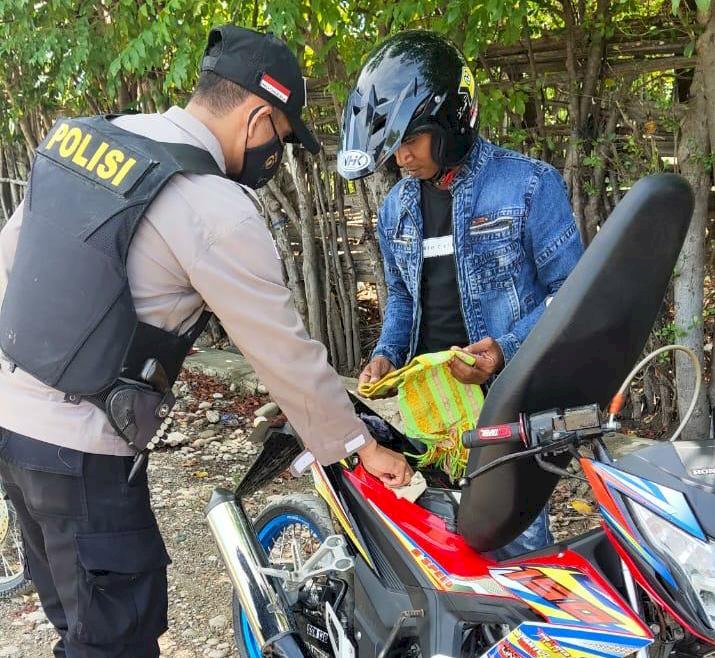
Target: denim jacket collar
473,165
410,191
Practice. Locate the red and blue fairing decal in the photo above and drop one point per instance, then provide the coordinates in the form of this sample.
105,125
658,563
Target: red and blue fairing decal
633,538
563,588
664,501
611,485
569,597
533,640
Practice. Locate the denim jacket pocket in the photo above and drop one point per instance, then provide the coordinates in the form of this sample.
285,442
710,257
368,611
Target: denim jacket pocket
500,225
404,247
490,268
491,276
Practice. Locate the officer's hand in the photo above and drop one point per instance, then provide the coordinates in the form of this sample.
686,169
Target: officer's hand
489,360
375,370
390,467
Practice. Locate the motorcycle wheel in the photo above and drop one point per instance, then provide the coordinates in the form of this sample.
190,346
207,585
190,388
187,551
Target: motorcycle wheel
275,527
12,573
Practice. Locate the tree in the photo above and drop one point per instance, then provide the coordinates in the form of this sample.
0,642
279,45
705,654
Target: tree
695,161
690,270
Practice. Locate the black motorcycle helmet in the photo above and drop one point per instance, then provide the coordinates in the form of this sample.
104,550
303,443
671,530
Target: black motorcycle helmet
415,81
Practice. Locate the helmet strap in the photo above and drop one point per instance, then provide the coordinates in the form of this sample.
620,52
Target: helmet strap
444,175
447,171
444,178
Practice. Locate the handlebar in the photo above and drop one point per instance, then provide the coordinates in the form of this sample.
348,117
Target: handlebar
545,433
490,435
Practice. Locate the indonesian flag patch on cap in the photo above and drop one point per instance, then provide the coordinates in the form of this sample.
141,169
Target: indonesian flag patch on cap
272,86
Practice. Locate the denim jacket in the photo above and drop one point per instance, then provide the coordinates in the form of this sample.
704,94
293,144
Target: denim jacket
515,242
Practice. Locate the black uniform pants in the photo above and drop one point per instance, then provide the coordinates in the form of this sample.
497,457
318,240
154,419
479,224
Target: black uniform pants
93,547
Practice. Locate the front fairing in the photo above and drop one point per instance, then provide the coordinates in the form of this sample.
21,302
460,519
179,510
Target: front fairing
672,480
686,466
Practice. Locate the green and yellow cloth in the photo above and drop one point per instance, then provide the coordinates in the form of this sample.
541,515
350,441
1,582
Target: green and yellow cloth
435,407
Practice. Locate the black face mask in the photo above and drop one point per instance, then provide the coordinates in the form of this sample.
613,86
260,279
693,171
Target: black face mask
260,163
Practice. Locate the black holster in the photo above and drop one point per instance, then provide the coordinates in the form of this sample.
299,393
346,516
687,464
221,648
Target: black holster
137,411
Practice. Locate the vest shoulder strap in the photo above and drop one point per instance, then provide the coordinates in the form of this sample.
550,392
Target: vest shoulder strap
192,160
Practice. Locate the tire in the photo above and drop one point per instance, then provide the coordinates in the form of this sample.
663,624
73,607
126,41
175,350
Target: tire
12,574
300,509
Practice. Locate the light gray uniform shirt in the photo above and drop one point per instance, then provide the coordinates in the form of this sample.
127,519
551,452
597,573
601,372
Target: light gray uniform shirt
201,243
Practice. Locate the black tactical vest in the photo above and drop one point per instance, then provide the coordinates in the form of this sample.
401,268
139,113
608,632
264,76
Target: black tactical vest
67,316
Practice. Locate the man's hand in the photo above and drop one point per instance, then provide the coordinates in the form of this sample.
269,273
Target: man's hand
375,370
390,467
489,360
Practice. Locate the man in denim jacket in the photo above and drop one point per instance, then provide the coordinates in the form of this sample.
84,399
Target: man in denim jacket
475,240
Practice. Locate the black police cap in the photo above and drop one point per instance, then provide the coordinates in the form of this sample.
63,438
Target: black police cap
265,66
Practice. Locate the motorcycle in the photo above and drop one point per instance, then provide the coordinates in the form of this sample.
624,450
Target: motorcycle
357,571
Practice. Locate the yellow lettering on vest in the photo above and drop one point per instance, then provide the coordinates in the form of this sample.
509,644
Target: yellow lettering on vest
78,157
58,135
97,155
70,142
111,161
123,171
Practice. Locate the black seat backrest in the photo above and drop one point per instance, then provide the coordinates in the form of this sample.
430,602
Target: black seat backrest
580,351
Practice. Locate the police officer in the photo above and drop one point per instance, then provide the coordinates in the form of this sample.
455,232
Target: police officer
83,315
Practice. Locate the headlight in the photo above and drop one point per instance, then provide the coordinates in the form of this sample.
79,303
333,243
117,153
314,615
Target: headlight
692,558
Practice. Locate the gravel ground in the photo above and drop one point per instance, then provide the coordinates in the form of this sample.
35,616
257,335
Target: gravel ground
208,448
199,589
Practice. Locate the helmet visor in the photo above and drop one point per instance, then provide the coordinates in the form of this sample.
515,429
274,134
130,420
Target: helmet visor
374,128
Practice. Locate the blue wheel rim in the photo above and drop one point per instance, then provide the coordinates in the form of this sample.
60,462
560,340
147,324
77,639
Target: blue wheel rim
267,536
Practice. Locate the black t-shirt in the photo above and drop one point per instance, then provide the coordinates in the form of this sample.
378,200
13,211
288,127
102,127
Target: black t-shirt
442,324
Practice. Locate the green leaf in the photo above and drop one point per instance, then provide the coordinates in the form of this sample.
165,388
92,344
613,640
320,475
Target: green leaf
453,13
689,49
133,58
148,37
115,66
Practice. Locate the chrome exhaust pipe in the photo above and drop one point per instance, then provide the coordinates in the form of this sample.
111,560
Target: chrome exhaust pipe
263,605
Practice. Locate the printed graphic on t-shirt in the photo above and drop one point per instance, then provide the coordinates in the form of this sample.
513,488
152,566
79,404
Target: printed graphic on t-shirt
434,247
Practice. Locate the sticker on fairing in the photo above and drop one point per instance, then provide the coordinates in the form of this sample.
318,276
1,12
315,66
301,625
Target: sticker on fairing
534,640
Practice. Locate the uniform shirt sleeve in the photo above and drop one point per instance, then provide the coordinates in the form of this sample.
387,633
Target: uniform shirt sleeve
8,244
238,274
